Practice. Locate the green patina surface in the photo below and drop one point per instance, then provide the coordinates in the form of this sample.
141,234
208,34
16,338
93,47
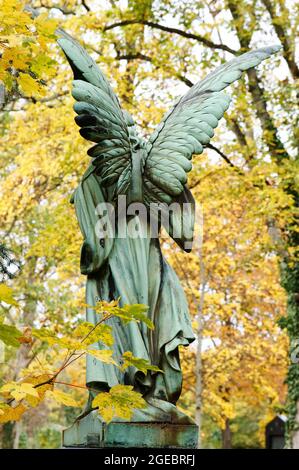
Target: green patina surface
133,268
92,432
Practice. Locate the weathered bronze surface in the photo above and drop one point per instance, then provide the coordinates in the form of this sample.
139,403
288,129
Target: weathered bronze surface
133,268
90,431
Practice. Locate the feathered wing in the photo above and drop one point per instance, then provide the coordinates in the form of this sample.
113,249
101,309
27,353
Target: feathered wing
186,129
100,118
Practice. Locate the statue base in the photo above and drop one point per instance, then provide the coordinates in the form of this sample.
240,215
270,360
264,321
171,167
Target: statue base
91,431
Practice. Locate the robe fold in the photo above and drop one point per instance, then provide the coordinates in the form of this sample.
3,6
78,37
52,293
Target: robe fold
135,271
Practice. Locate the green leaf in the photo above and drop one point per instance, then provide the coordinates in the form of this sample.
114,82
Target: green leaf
6,295
83,329
141,364
90,333
127,313
44,334
101,334
51,338
9,335
69,343
119,402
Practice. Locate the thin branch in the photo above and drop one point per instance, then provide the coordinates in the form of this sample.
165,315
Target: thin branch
53,97
137,55
241,137
177,31
185,80
47,99
74,385
222,155
140,56
73,360
83,3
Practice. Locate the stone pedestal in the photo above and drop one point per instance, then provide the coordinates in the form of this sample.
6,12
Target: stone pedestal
91,431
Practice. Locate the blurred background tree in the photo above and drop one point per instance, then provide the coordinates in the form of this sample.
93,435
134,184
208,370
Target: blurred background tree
244,277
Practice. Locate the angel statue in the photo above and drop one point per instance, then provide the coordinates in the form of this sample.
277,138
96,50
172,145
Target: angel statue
132,268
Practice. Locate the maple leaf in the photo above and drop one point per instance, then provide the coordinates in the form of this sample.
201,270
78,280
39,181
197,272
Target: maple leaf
19,391
10,335
62,398
11,413
127,313
103,355
119,402
30,86
141,364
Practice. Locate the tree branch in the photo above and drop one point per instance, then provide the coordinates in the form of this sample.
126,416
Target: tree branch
180,32
270,134
241,137
185,80
222,155
140,56
282,33
50,98
134,56
83,3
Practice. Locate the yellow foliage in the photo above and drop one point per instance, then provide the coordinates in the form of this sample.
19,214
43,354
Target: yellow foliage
6,295
23,45
120,402
12,413
18,391
244,353
62,397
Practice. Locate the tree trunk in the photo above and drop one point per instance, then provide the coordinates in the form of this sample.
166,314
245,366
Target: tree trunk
282,27
226,436
7,435
17,434
295,434
198,366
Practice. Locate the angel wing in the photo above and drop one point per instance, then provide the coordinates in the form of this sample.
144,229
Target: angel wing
100,118
183,132
166,159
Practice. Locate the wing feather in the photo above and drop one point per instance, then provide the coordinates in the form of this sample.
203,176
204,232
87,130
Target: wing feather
189,126
100,118
184,131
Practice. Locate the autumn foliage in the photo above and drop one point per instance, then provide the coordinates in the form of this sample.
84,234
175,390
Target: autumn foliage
240,281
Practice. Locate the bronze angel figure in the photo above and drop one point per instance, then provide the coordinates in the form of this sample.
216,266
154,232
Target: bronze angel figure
134,269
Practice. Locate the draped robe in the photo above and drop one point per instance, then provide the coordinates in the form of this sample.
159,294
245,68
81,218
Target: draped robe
135,271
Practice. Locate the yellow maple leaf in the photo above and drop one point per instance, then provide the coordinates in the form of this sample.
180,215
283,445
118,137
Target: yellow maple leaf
10,413
19,391
103,355
62,398
119,402
30,86
45,26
